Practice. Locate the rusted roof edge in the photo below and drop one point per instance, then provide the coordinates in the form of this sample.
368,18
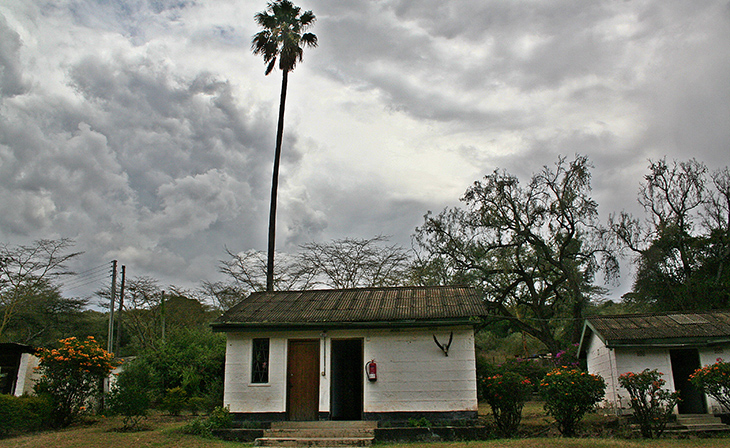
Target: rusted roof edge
231,326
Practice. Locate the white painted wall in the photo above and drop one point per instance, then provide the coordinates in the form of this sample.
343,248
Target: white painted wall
602,361
413,373
610,363
27,374
709,356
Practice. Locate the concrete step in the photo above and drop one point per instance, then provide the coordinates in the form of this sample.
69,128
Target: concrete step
360,424
698,419
314,441
319,434
701,422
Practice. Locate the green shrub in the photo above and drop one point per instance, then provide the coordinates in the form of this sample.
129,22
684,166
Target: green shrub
714,380
130,396
219,418
190,359
22,414
196,404
506,395
652,405
175,400
569,394
422,422
532,369
9,413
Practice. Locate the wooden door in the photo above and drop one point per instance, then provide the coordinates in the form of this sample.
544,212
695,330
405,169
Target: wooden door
303,380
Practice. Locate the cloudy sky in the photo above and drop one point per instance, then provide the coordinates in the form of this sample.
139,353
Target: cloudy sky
144,130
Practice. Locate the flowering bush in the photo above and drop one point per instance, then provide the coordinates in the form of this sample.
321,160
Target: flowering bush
506,395
714,380
569,394
71,375
652,405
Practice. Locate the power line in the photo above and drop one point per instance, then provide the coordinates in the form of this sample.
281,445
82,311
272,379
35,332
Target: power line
88,277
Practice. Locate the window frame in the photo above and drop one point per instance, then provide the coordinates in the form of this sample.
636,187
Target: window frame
260,360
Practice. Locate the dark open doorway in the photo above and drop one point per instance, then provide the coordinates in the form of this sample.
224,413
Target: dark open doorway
684,362
347,379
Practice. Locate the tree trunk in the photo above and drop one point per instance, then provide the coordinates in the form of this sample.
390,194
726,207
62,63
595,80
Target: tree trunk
275,186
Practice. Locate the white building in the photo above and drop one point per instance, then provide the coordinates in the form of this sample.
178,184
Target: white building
675,344
371,354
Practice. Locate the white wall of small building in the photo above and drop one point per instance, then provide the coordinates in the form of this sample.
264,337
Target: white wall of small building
414,375
27,374
611,363
708,356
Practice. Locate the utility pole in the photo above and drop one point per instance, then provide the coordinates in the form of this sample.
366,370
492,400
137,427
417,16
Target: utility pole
162,311
121,306
110,339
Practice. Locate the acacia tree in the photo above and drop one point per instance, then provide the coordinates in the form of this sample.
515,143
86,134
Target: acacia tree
682,247
342,263
353,262
532,250
28,269
282,38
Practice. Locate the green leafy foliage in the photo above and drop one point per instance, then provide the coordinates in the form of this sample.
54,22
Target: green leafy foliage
175,400
506,395
130,397
714,380
219,418
533,249
569,394
652,405
532,369
71,376
190,359
683,245
22,414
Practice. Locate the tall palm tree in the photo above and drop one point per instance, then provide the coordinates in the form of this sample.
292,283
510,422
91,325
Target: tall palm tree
282,38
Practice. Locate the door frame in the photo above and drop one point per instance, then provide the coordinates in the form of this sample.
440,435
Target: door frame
355,371
683,362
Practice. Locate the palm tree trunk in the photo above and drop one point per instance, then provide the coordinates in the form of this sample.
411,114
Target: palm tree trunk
275,186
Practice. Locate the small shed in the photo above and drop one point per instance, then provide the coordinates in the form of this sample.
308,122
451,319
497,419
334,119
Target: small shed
353,354
17,368
675,343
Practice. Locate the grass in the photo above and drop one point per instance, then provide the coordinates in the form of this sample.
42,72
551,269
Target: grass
536,431
161,431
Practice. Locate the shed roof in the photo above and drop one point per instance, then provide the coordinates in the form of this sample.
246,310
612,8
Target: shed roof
660,329
360,307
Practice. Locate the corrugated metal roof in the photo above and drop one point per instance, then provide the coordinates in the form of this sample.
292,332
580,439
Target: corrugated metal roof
355,305
674,325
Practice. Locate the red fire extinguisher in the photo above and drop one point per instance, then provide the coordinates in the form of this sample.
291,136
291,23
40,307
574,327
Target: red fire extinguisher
372,369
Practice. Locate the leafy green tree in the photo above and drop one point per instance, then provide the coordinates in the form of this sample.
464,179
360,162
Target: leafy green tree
682,248
130,396
190,359
43,316
533,250
282,38
27,269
